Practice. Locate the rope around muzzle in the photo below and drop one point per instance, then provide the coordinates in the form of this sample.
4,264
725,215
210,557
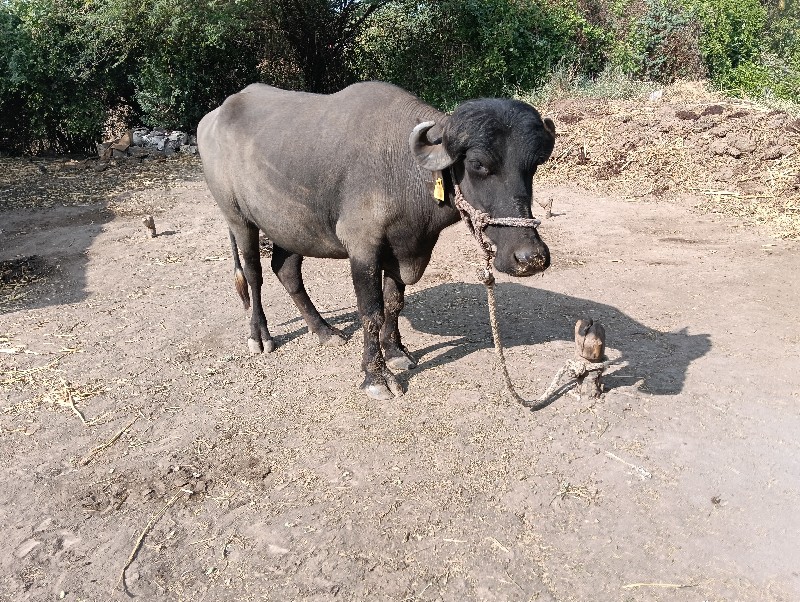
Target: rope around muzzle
477,221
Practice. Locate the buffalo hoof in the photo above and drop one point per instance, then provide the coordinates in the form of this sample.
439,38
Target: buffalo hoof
401,361
259,347
379,392
383,389
334,338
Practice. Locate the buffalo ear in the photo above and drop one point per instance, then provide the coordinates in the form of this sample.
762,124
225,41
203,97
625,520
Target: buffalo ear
429,155
549,126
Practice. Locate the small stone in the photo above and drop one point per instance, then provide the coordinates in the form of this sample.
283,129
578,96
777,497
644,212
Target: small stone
104,150
725,174
743,142
718,147
179,138
137,137
123,143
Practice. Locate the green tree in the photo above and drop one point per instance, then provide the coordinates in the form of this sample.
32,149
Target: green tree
321,34
56,80
449,50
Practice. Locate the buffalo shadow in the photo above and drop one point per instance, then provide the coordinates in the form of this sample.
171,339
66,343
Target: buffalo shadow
654,360
43,254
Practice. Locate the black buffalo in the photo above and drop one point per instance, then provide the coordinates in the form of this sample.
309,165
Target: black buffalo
350,176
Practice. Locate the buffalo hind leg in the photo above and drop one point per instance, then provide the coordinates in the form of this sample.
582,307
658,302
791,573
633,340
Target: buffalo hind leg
379,383
287,267
246,237
396,355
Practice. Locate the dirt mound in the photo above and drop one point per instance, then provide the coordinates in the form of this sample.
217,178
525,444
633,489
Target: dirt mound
742,159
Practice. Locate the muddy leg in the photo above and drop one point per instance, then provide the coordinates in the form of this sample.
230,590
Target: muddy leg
397,356
246,237
379,382
287,267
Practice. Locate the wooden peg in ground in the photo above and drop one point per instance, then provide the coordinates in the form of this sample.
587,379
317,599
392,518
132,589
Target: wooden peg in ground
548,208
590,340
150,224
587,368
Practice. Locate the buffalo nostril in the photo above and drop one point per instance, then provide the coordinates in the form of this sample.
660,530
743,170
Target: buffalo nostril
532,260
525,256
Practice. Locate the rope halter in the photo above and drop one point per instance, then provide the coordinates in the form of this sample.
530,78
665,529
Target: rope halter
477,221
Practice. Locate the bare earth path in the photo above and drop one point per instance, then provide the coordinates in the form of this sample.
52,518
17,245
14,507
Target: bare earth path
283,482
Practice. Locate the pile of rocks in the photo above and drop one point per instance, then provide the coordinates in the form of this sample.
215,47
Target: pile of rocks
143,143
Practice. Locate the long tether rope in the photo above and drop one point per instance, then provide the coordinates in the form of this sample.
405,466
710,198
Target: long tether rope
476,222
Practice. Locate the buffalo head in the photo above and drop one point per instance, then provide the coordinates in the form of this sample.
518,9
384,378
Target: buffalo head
493,147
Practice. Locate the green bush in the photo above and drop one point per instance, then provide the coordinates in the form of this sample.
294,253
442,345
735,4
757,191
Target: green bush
448,51
187,56
68,66
782,54
731,40
658,40
71,68
56,81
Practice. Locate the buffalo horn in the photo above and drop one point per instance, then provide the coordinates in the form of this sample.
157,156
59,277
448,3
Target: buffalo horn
430,156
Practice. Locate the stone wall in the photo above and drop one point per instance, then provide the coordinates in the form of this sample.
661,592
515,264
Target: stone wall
144,143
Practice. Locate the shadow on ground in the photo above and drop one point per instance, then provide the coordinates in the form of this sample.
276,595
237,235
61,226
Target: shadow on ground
43,255
656,360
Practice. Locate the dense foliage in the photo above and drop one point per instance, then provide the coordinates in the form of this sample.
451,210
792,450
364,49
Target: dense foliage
72,69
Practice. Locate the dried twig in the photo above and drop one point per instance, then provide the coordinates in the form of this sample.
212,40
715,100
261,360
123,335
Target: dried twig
643,474
90,456
666,585
70,401
140,539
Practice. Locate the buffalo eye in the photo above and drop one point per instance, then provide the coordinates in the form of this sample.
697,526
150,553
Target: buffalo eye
478,168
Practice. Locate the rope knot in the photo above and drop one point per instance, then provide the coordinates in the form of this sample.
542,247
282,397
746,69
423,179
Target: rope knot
486,277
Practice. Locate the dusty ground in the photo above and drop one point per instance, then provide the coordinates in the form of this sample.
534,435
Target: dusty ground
130,405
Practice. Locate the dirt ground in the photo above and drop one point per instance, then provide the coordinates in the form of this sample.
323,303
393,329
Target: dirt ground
132,412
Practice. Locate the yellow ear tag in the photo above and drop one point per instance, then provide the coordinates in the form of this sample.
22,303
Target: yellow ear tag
438,190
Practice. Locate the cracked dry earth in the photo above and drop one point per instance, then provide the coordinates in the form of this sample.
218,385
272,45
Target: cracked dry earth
130,407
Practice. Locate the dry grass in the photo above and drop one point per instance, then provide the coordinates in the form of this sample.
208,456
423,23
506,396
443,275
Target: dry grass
46,182
44,384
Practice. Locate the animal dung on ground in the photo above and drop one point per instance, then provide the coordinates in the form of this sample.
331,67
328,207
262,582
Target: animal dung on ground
150,224
590,340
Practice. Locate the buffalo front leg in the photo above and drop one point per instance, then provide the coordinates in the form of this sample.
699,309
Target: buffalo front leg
246,237
379,383
287,267
396,355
